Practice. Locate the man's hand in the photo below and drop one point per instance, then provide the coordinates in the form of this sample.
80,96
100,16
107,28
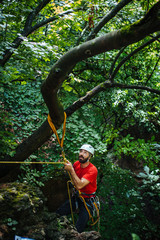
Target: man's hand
68,166
78,183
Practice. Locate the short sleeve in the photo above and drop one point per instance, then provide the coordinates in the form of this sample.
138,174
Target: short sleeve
91,175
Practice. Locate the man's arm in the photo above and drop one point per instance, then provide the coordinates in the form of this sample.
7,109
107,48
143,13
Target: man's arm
78,183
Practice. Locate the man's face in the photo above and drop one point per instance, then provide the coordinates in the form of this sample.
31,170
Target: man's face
83,156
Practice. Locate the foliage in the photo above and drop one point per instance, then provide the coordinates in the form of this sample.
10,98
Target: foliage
39,51
150,189
135,237
139,150
120,207
11,223
22,113
30,176
124,206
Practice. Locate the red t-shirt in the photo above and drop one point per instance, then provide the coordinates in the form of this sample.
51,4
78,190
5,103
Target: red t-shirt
90,173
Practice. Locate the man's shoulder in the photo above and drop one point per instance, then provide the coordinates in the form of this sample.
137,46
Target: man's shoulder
93,167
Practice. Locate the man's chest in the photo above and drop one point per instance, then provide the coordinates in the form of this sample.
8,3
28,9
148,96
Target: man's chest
80,172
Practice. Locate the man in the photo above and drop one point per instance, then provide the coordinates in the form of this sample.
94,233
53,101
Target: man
84,178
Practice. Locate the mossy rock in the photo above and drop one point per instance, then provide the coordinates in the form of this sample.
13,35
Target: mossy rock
24,213
19,198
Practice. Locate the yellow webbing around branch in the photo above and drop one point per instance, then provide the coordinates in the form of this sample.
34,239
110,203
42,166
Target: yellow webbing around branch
55,131
63,134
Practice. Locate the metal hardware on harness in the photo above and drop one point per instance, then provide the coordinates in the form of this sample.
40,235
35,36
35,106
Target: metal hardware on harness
95,205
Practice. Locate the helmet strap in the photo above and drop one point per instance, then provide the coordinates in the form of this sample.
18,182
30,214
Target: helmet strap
87,160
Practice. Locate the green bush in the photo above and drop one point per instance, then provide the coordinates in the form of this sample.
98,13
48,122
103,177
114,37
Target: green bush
123,206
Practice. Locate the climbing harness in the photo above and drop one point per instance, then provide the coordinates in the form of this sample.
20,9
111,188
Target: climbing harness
95,208
94,205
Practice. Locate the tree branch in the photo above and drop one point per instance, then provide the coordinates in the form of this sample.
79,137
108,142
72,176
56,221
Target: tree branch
32,15
28,29
153,70
82,34
48,20
102,87
115,60
131,54
107,18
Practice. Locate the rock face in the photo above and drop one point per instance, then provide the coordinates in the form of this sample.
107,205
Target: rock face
23,213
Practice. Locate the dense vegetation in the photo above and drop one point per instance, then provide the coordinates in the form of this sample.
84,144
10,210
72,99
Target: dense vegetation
111,97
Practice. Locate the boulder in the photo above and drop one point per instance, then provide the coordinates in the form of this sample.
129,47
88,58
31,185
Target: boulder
24,213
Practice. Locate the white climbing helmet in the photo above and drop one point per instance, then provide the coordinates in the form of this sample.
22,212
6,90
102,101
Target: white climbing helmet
88,148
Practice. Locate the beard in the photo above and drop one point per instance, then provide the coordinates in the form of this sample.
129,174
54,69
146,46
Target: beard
82,159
